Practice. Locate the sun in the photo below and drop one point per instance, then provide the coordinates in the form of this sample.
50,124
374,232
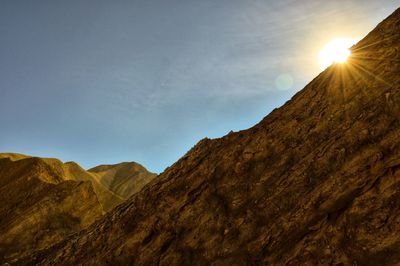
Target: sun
336,51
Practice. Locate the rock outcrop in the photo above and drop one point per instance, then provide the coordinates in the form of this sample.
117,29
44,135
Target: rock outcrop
316,181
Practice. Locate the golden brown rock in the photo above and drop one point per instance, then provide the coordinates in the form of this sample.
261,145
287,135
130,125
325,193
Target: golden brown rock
111,183
38,207
124,179
43,200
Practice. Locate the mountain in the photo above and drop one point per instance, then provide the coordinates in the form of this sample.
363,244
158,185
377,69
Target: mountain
315,182
39,207
72,171
43,200
111,183
107,198
124,179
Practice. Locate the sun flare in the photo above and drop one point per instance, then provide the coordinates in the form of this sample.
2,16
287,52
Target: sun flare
336,51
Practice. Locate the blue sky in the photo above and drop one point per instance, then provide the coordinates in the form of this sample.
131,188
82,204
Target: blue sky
109,81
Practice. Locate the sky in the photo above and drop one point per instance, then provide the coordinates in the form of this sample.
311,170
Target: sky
101,82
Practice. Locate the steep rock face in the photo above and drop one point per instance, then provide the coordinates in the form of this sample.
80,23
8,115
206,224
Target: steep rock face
38,207
124,179
316,181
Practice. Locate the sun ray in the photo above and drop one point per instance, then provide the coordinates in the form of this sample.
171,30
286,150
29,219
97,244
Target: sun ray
377,77
361,47
336,51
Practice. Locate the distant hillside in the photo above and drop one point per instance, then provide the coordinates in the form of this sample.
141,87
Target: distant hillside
43,200
124,179
39,206
112,183
72,171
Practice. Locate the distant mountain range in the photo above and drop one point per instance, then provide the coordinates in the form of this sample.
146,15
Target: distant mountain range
43,200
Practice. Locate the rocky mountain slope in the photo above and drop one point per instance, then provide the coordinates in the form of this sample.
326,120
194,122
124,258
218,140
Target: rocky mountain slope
72,171
112,183
38,207
316,181
43,200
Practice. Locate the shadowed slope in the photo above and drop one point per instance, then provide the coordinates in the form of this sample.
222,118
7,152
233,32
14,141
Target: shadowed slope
43,200
315,181
39,207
